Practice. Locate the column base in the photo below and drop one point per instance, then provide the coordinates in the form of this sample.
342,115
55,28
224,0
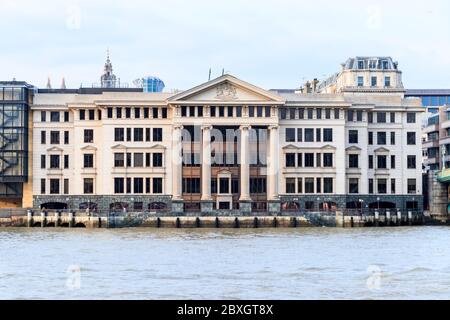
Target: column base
245,206
274,207
207,206
177,206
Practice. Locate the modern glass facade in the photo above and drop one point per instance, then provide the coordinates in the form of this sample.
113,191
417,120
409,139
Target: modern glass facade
153,84
14,111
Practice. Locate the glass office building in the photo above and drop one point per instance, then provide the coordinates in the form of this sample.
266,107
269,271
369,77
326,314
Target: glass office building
432,99
15,100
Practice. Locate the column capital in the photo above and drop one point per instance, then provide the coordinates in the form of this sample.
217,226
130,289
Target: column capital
178,126
273,127
245,127
206,127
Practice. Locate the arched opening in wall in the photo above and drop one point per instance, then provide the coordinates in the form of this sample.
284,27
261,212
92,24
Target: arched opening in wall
382,205
50,224
157,206
354,205
64,225
118,206
54,206
80,225
37,224
328,206
290,206
88,205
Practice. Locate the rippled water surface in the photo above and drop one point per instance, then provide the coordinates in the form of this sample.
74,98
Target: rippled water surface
383,263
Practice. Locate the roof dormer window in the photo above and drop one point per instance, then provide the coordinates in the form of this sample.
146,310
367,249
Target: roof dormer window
360,64
372,64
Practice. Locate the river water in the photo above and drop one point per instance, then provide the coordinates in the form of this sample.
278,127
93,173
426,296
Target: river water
316,263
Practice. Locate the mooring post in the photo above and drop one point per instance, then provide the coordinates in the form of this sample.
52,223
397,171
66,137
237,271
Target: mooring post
410,217
43,219
71,219
399,218
57,213
29,218
388,218
377,218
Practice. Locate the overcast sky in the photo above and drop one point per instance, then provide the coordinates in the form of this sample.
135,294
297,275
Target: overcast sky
272,44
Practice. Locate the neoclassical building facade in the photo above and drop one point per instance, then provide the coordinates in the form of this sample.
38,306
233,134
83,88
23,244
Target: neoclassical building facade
229,146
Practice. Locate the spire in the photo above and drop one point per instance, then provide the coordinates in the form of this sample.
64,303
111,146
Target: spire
63,83
49,86
108,79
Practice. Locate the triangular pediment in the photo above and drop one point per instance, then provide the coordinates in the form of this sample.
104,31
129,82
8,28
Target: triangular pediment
381,150
226,89
55,149
328,147
291,147
89,148
353,148
118,146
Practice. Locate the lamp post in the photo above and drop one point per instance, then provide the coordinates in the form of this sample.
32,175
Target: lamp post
378,200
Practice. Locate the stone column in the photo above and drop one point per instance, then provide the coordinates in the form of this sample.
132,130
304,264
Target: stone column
207,203
273,198
177,169
245,200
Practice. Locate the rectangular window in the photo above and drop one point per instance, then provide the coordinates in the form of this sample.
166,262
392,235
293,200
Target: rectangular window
370,162
370,138
82,114
336,114
309,160
381,138
290,185
88,186
119,134
381,117
54,186
119,160
411,117
42,186
54,137
370,186
66,186
88,160
54,116
309,135
110,113
350,116
353,136
381,162
43,116
127,113
301,113
66,161
412,186
318,135
328,160
328,135
319,114
392,138
128,134
119,185
222,111
157,134
360,81
157,160
191,111
157,185
147,159
290,160
327,185
309,185
359,115
318,160
91,114
392,162
137,113
299,134
353,161
370,117
267,111
259,111
328,113
224,185
191,185
88,136
155,113
382,186
54,161
292,114
66,137
138,185
310,113
146,113
412,162
119,113
290,135
138,160
392,117
147,134
318,185
164,113
387,81
393,186
239,111
128,159
353,186
43,165
128,185
300,185
373,81
43,136
411,138
212,111
200,111
299,160
138,134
